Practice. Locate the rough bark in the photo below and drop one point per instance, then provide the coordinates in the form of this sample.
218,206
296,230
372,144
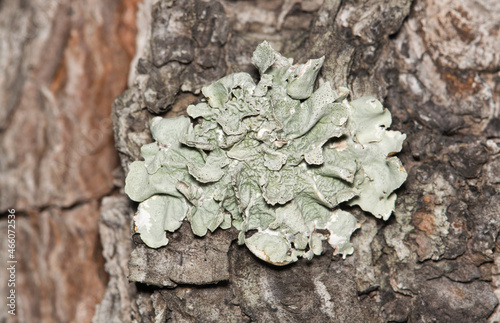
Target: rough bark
434,64
62,64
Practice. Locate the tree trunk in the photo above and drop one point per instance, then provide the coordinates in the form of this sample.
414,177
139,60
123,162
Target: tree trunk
62,64
434,65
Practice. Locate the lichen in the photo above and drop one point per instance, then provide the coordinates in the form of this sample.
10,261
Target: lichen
273,159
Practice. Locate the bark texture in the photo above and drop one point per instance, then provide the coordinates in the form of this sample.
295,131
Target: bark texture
434,64
62,64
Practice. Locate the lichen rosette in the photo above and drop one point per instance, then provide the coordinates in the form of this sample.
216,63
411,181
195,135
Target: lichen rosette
273,159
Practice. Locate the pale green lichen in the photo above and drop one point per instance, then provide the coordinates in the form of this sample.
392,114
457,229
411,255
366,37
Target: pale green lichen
273,159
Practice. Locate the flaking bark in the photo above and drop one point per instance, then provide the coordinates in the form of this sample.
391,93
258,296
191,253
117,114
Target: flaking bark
434,64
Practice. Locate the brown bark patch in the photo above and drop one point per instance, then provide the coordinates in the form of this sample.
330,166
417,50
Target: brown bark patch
423,219
458,82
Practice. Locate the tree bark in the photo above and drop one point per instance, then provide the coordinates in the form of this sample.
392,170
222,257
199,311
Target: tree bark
434,65
62,64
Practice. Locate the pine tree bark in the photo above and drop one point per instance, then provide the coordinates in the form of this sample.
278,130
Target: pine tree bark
62,64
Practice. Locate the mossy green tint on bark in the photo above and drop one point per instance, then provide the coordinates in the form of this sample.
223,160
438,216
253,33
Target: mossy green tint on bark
273,159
